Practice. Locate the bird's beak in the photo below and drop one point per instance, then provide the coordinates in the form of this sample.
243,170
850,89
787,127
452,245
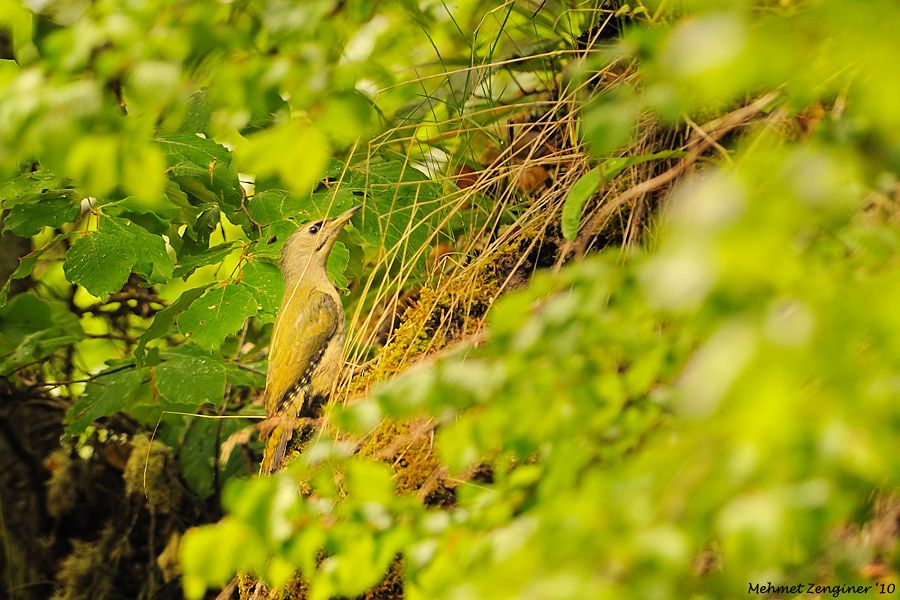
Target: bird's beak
338,221
333,227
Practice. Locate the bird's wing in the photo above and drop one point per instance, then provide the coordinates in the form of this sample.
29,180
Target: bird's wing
302,331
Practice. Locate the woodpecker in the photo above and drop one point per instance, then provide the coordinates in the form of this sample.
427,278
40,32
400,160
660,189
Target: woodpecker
307,338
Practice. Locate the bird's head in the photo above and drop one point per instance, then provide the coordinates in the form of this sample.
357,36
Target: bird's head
307,249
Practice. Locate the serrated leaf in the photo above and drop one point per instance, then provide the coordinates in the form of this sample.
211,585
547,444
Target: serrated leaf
251,376
265,283
191,381
401,208
156,220
579,193
273,238
20,188
217,314
269,206
202,168
100,262
105,395
153,262
331,203
164,319
47,210
190,262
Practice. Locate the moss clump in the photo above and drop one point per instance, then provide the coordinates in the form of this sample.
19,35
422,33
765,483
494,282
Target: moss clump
89,570
407,446
456,309
63,485
391,587
150,473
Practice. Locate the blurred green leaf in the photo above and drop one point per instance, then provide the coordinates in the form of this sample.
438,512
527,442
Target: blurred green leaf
32,329
296,152
609,121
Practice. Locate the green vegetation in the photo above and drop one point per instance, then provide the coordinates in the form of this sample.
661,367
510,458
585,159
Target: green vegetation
621,298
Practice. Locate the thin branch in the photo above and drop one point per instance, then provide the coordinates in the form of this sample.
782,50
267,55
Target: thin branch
714,131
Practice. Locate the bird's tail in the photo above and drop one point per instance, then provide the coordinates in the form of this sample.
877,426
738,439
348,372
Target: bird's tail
276,447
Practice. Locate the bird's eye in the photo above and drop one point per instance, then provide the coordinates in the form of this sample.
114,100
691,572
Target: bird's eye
314,228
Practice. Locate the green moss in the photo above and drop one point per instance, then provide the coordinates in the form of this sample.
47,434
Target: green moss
63,486
452,311
150,473
88,571
407,446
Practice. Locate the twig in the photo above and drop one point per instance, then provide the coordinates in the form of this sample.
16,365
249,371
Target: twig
713,132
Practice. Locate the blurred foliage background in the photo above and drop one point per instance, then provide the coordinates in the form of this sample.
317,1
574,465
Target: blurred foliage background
621,298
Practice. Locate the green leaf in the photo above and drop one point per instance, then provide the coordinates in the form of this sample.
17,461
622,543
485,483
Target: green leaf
156,219
198,453
211,555
337,265
246,375
153,262
370,481
588,184
164,319
100,262
578,194
94,161
188,263
189,381
105,395
273,238
197,456
273,205
47,210
401,208
295,151
266,284
202,168
611,167
26,265
219,313
28,184
32,328
609,122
